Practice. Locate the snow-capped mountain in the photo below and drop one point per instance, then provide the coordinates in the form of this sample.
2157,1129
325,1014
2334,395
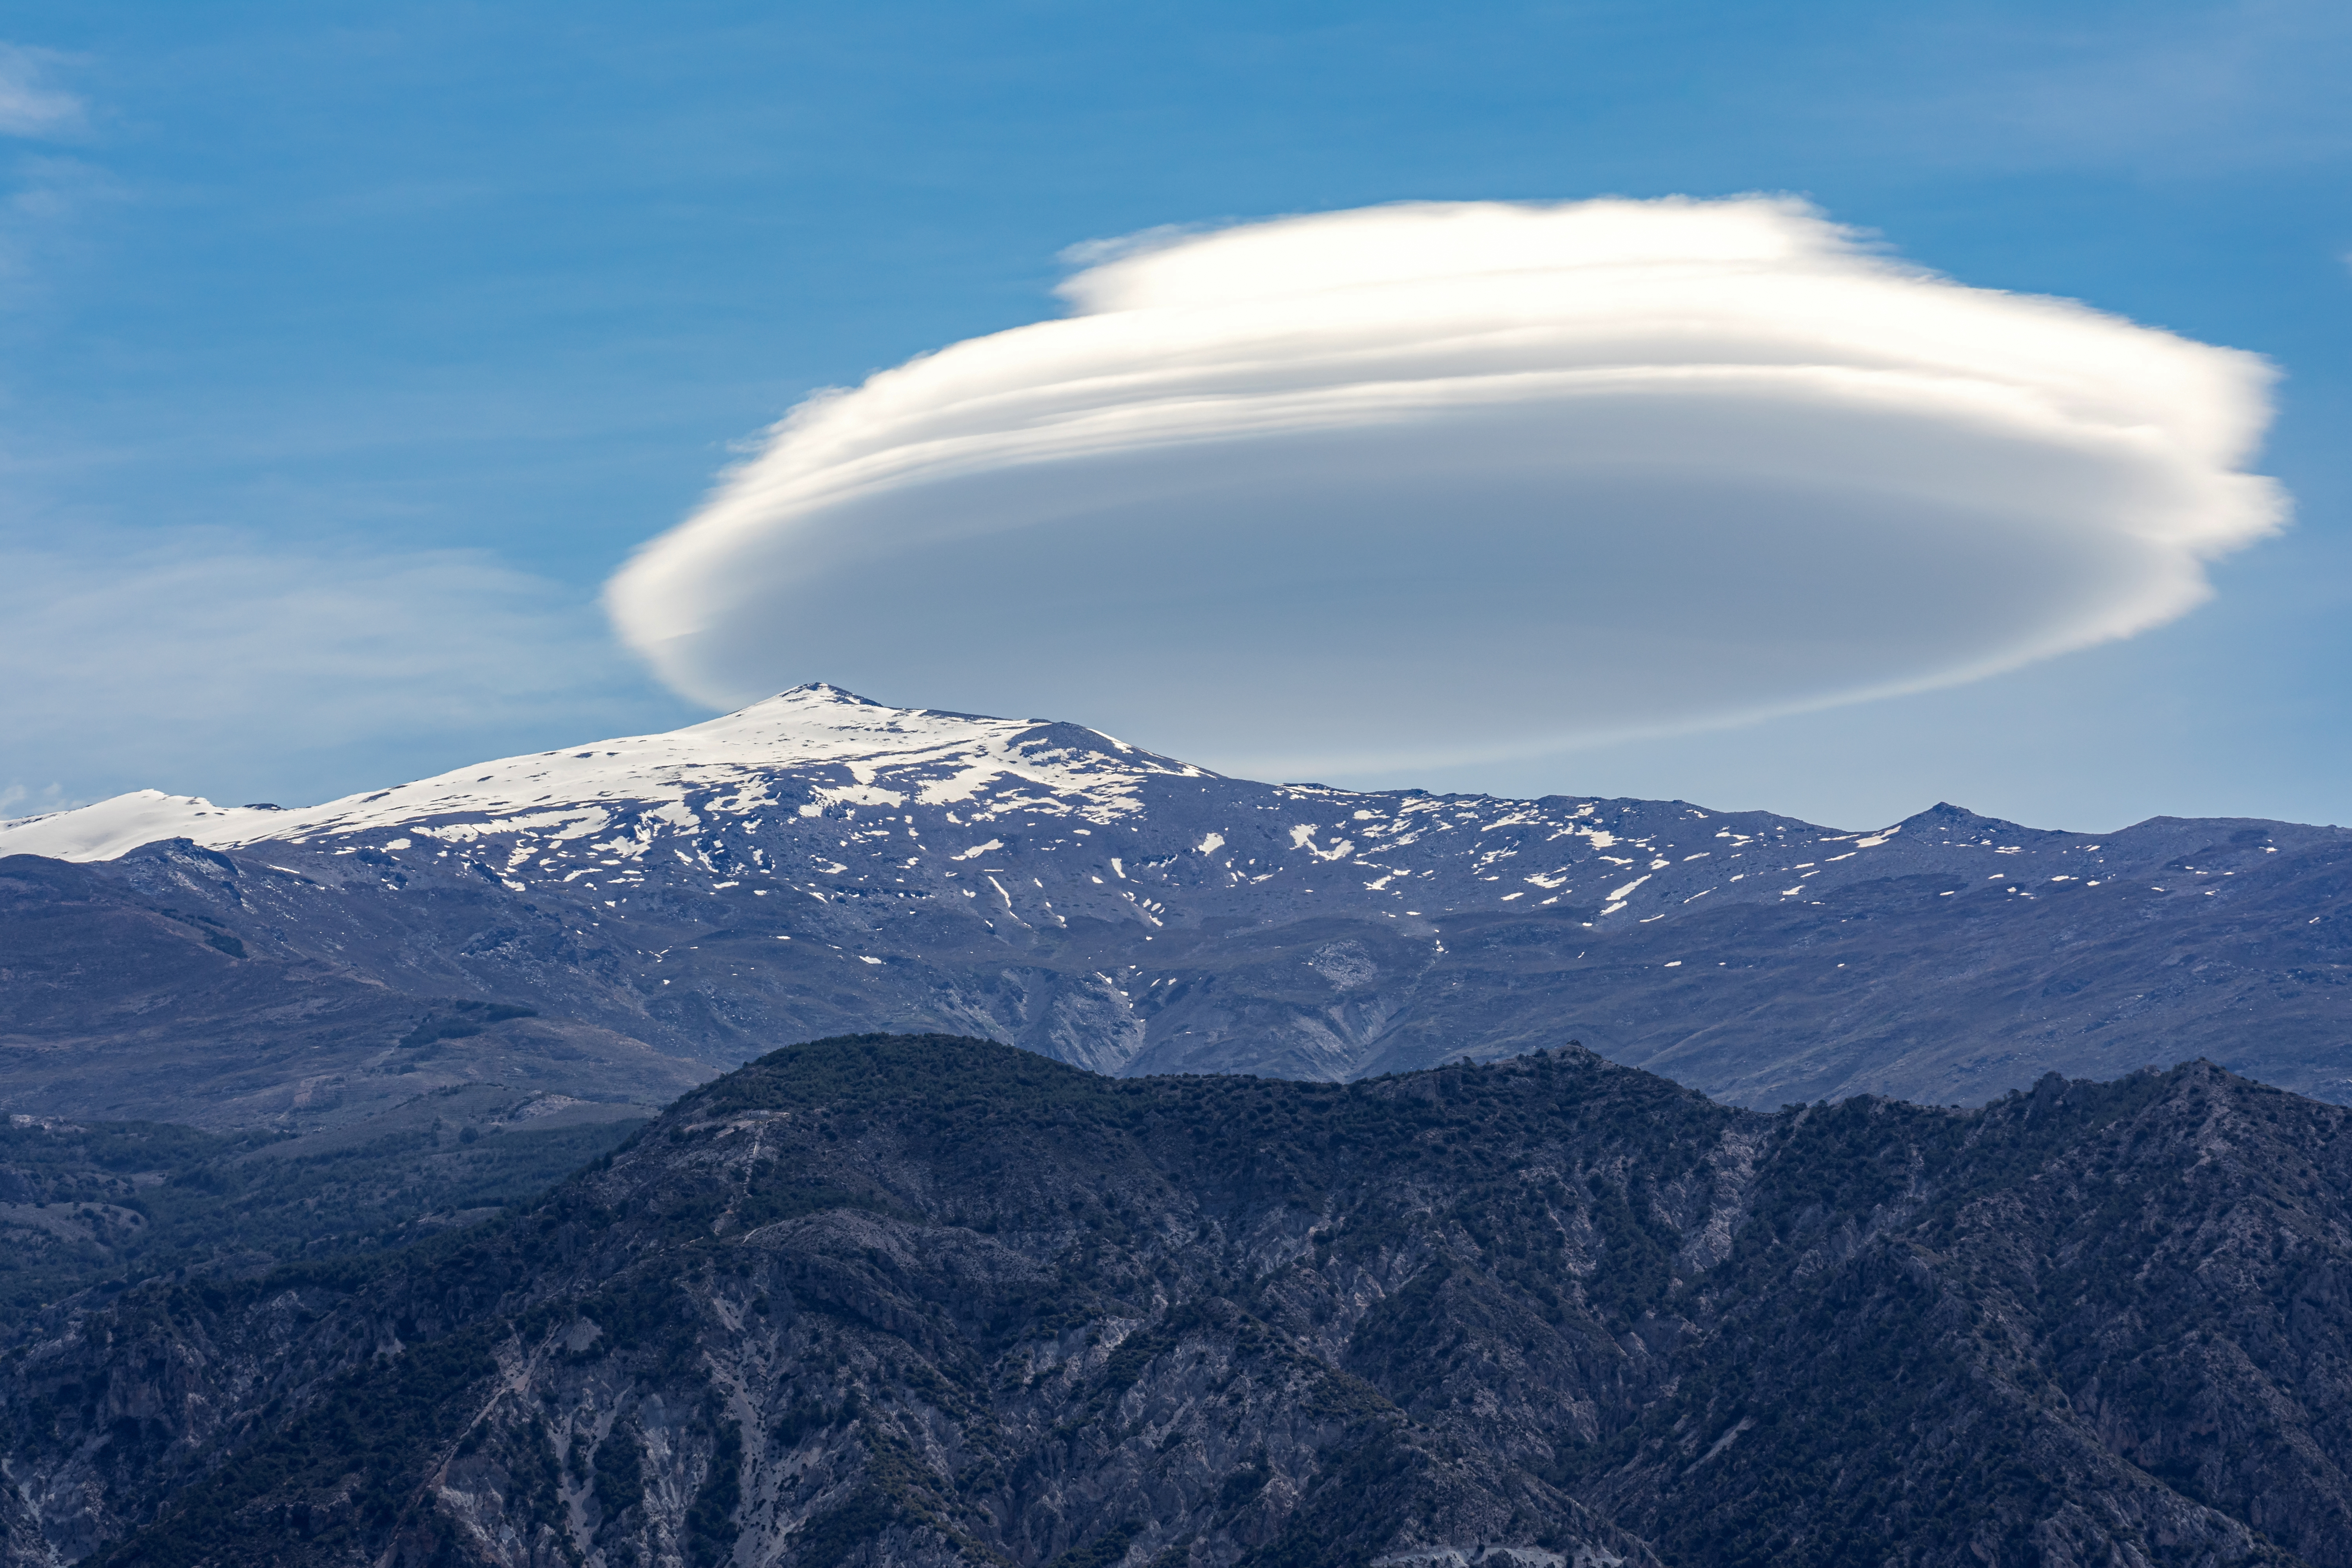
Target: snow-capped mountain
815,786
819,792
818,862
725,768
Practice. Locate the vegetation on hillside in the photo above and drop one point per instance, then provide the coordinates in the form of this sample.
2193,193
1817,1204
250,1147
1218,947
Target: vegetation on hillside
108,1204
881,1302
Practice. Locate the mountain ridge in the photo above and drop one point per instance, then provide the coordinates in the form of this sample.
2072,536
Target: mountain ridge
819,863
885,1300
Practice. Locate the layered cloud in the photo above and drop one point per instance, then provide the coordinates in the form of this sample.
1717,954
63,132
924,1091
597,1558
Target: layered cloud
1434,483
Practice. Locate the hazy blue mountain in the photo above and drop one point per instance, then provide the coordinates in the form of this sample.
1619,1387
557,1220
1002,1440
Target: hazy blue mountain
622,919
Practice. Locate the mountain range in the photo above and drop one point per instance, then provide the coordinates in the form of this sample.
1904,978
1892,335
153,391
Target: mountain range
1368,1215
930,1302
622,919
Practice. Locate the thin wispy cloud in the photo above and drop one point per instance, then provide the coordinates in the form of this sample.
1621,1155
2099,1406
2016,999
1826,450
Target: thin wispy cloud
204,664
30,105
42,190
2197,90
1434,483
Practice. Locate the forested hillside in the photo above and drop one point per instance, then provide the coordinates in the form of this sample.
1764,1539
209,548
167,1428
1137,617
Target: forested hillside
99,1206
892,1299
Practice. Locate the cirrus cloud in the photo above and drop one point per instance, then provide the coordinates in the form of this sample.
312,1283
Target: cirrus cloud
28,105
211,663
1447,482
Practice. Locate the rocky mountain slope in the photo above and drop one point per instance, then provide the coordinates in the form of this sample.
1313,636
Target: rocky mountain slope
624,918
123,996
893,1300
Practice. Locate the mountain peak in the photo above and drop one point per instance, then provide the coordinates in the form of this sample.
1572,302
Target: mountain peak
811,694
838,744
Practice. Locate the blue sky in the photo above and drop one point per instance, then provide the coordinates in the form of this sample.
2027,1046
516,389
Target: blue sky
347,351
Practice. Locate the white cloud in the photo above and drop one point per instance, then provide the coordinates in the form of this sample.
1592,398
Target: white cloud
28,107
215,668
1434,483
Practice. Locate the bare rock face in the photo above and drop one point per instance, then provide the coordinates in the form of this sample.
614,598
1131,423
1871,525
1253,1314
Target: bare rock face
923,1300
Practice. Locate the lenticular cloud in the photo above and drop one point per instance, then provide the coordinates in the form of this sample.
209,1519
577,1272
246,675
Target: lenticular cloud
1447,482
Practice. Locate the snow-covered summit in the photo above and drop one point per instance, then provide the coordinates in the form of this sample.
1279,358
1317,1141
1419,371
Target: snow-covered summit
117,826
857,749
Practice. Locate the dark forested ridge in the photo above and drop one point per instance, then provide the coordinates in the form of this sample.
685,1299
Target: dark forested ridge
924,1300
101,1205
